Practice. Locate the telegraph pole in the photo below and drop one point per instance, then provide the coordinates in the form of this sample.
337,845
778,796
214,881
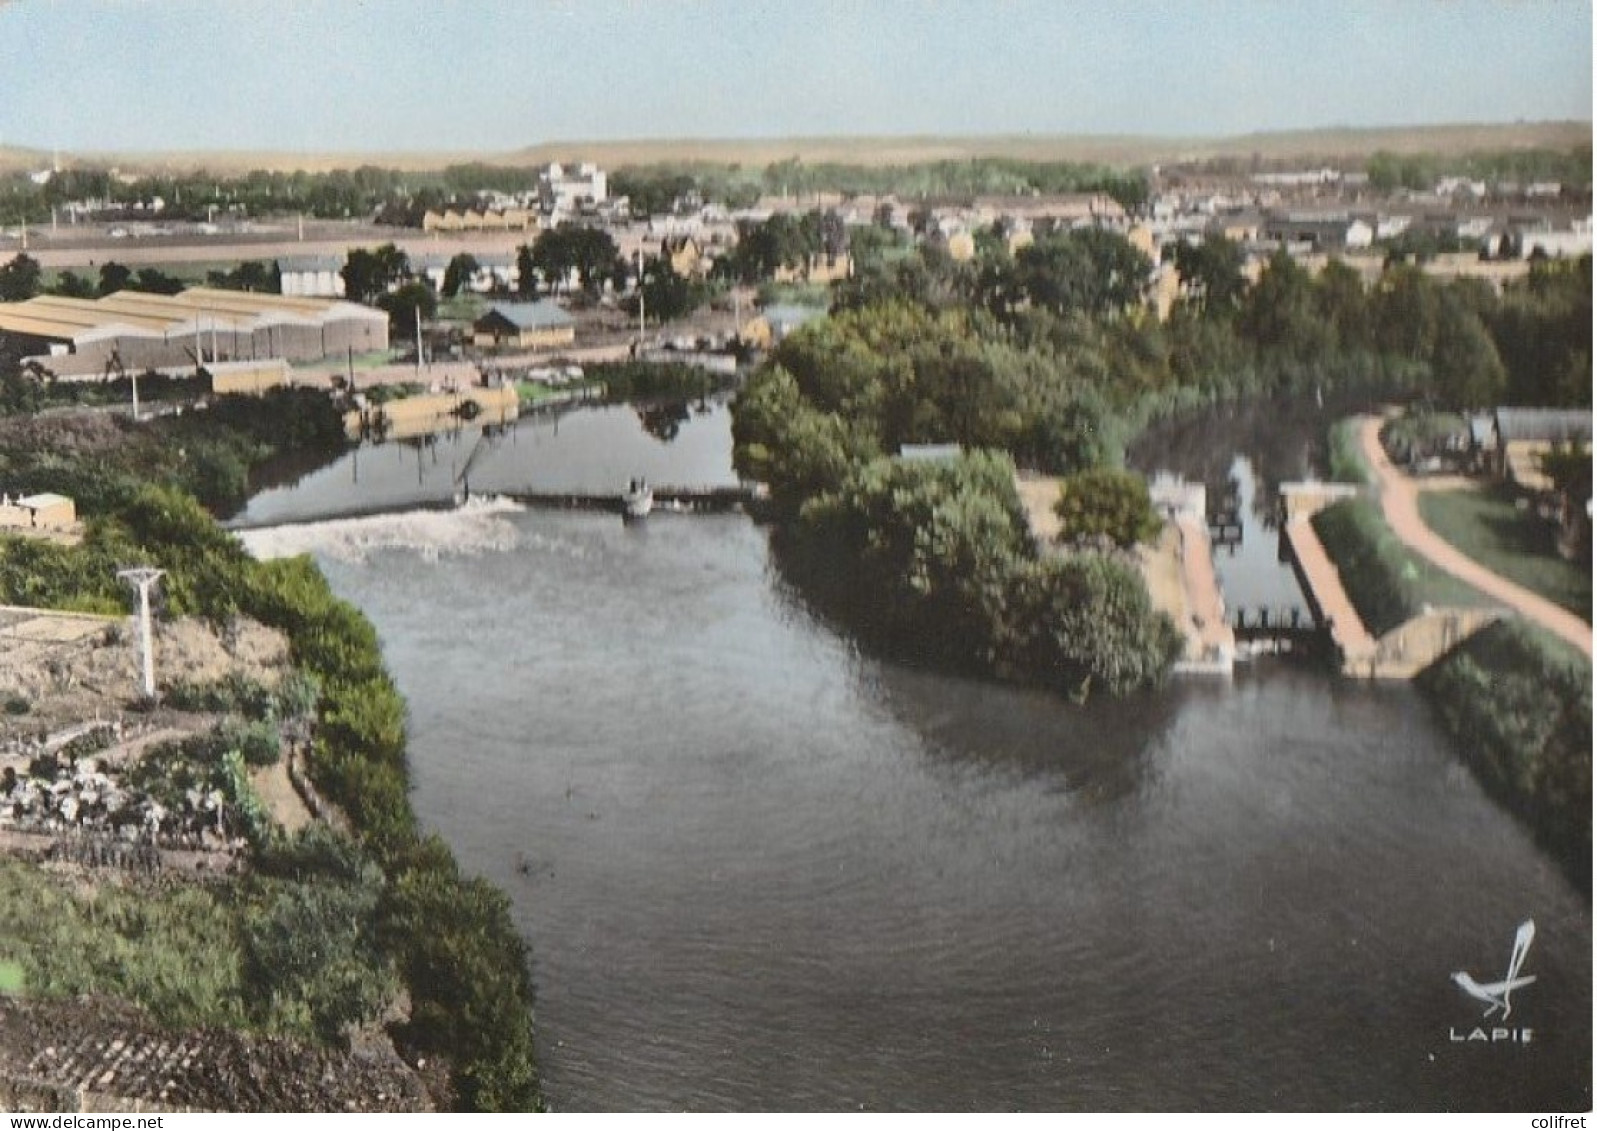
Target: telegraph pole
144,578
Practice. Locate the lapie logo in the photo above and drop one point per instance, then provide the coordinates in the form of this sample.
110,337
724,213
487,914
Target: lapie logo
1498,996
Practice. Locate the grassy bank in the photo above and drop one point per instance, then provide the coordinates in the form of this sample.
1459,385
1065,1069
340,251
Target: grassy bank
1386,581
1346,455
1518,703
321,935
1491,529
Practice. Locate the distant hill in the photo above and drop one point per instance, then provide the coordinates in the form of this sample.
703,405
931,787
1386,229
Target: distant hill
1334,144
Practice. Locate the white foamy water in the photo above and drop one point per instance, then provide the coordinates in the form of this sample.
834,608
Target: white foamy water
480,525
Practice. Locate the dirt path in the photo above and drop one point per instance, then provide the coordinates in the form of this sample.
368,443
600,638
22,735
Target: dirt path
1400,504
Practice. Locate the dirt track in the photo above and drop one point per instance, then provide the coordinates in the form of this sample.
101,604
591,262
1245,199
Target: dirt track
1400,505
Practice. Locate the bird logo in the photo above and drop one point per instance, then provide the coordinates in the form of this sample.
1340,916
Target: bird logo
1497,995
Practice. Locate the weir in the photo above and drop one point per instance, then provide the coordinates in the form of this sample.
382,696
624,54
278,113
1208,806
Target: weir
667,500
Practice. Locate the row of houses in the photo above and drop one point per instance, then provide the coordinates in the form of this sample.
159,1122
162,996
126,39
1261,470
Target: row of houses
132,330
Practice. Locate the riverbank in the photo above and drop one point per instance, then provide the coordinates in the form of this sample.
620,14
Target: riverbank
388,931
1515,697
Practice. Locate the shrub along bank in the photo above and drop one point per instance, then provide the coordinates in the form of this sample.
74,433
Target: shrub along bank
1516,700
1518,703
1386,581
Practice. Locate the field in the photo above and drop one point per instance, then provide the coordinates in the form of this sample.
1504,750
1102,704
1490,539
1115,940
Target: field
1514,543
1121,150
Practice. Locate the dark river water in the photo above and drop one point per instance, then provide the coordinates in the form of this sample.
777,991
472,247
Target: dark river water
759,870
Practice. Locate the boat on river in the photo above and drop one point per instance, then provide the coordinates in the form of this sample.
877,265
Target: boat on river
637,501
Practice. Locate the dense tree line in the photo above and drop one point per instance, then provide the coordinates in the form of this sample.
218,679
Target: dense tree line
1079,294
946,565
1050,356
1421,171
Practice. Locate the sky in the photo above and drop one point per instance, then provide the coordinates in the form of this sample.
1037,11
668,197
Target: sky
495,75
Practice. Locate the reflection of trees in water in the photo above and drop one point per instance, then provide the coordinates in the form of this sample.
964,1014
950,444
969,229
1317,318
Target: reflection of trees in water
1282,438
287,468
663,421
1099,752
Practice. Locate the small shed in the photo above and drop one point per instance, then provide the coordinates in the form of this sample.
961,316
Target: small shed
525,325
46,511
1525,435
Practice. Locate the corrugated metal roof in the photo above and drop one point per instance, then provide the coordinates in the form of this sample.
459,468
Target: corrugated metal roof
35,327
1514,424
788,314
311,263
258,300
530,315
930,453
175,316
88,315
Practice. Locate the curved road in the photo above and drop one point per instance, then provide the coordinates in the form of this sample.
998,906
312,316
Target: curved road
1400,504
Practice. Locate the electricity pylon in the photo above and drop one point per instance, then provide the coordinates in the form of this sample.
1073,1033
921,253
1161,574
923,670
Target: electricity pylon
144,578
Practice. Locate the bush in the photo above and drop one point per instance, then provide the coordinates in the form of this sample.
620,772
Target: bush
466,966
1386,582
1519,703
1346,457
257,742
1105,502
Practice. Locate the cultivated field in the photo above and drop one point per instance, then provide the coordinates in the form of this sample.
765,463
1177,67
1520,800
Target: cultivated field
1296,145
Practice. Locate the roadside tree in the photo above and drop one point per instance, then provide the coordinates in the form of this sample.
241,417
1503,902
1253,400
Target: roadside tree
19,279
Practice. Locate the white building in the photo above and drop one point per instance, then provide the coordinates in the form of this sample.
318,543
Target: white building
316,276
568,190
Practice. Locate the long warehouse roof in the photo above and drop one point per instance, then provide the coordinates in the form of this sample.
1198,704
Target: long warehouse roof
141,314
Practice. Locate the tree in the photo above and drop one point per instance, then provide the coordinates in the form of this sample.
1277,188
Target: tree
1468,372
1211,272
526,272
1279,312
370,274
1406,311
667,295
402,304
69,284
114,277
571,249
1086,270
594,255
1106,502
459,272
153,281
252,275
1340,297
19,279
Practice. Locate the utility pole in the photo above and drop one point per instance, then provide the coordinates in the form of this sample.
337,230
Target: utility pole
418,341
642,322
144,578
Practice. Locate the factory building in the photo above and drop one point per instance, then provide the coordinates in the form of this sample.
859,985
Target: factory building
132,330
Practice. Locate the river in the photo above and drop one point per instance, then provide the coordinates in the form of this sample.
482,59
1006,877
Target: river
760,870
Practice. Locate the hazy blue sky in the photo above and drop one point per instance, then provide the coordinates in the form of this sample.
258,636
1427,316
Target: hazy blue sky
498,74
